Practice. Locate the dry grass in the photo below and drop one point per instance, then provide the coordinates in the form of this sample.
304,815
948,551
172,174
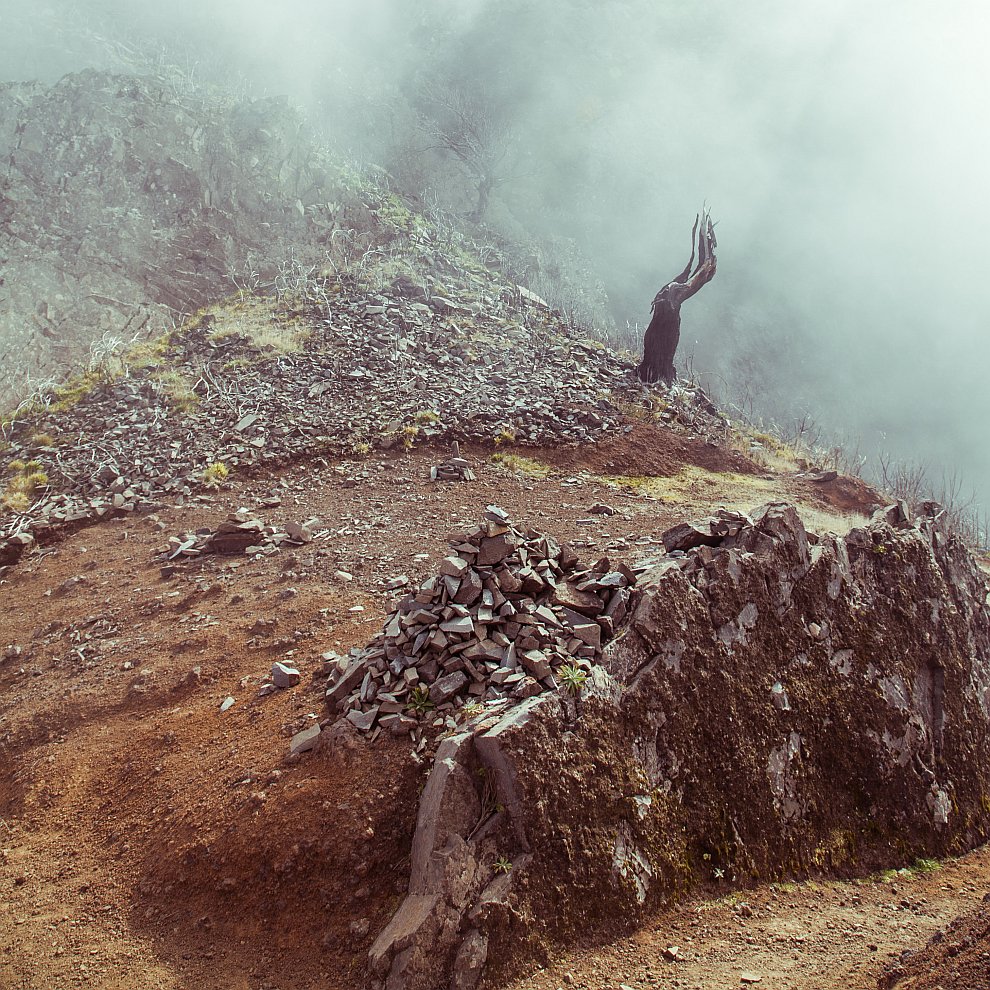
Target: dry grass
523,467
26,481
178,390
254,320
699,490
696,486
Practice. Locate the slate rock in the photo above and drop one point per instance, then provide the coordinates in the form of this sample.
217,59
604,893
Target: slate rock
284,676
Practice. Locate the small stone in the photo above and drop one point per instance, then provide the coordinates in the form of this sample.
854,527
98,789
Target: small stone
284,676
227,704
747,977
453,566
363,720
304,741
446,687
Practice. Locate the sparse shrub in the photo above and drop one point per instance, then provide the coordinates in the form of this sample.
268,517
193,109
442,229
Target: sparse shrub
504,435
408,435
419,701
16,501
23,486
216,474
572,678
43,440
35,479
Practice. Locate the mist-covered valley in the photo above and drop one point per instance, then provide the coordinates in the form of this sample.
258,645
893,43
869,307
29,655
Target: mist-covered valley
839,147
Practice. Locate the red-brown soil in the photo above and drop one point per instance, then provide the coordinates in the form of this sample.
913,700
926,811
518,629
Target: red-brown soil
149,840
808,936
648,451
956,959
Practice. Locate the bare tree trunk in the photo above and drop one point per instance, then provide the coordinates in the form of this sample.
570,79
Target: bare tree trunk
660,344
485,186
664,332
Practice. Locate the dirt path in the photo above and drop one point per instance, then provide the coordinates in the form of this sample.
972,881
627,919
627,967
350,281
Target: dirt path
148,840
807,936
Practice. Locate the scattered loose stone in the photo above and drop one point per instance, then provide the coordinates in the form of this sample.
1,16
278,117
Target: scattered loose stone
455,468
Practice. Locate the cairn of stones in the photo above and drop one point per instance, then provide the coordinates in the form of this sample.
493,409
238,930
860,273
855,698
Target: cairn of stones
509,615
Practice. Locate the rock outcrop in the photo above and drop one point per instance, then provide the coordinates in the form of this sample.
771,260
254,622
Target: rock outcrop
779,704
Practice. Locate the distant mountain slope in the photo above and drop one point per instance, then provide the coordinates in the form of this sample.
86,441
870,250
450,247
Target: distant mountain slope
121,201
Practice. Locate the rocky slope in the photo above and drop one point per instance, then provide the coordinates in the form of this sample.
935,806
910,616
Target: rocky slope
422,343
123,205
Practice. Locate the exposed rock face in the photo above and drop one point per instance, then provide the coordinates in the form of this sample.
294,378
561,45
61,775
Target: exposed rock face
119,203
779,704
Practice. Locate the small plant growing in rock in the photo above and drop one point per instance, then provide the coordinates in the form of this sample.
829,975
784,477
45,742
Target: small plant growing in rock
471,709
216,474
879,549
426,417
419,700
408,435
504,435
572,678
502,865
361,448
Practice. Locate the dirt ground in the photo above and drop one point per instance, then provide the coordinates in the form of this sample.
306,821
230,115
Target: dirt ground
148,839
955,959
806,936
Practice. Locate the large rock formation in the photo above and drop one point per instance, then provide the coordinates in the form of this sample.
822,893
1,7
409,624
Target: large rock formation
780,704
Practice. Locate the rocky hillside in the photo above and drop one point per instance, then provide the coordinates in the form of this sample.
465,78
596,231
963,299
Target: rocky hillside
304,719
416,341
123,206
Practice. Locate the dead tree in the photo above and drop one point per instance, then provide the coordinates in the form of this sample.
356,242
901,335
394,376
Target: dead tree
664,331
475,132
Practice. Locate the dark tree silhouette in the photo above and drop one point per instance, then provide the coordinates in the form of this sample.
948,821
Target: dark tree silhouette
664,331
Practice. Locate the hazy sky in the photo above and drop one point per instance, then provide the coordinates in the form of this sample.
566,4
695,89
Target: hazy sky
841,145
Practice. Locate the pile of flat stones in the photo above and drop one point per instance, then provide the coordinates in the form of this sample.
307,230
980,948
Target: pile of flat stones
509,615
241,533
455,468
